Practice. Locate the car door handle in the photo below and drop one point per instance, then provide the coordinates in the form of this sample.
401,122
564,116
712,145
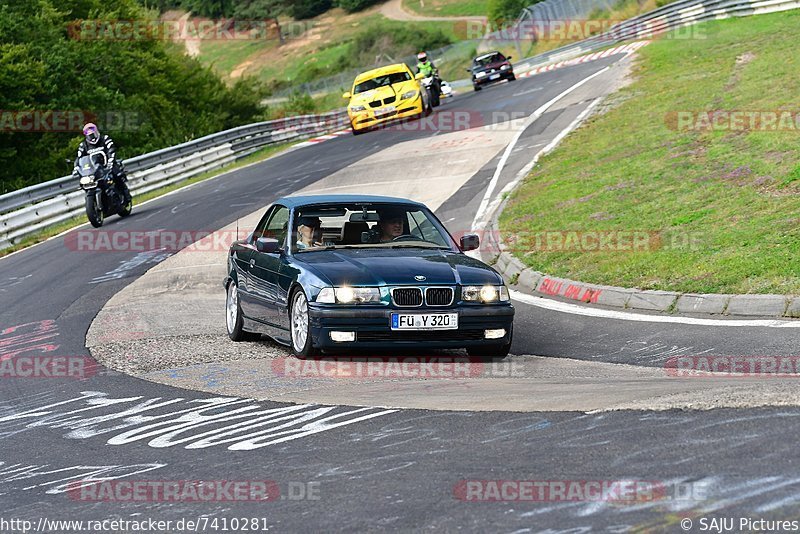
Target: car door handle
252,263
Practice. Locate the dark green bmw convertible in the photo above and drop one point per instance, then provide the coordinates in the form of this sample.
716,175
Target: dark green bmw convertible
346,272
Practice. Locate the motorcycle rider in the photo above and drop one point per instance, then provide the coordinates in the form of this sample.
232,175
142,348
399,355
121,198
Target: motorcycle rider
426,67
95,143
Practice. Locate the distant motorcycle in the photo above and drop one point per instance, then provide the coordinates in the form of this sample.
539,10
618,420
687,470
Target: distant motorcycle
103,197
433,84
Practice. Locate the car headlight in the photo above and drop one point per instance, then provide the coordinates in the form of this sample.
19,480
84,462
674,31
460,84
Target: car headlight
505,67
357,108
480,74
409,94
485,294
349,295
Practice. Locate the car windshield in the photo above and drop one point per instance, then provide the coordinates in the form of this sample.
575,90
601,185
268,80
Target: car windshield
381,81
488,60
369,225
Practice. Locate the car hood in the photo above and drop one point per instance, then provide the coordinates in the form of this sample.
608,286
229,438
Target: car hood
382,267
382,93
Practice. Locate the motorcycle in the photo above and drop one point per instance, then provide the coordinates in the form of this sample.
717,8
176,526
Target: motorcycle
103,196
433,85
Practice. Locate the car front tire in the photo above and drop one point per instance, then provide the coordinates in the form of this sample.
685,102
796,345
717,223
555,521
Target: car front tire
476,87
300,326
234,320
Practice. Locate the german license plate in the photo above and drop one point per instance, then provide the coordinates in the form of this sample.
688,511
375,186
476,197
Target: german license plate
494,76
424,321
388,110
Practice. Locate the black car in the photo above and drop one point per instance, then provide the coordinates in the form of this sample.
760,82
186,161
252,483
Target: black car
489,68
364,272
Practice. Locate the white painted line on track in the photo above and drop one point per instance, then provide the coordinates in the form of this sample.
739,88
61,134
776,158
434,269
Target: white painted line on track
575,309
479,221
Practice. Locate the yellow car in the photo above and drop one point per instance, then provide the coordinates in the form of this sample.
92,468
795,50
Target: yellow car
386,94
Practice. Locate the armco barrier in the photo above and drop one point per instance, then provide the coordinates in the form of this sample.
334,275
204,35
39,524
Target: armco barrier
34,208
28,210
669,17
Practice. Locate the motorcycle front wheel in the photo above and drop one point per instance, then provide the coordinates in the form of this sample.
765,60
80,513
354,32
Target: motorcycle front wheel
94,211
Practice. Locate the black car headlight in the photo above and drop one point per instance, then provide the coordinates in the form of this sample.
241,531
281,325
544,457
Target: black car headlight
486,294
349,295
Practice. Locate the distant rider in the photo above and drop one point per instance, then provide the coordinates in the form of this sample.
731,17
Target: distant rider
95,143
426,67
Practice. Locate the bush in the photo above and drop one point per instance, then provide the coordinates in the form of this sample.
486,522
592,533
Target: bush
503,13
352,6
305,9
163,96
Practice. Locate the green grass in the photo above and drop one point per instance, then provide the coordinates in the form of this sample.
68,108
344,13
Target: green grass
260,155
333,43
447,8
725,204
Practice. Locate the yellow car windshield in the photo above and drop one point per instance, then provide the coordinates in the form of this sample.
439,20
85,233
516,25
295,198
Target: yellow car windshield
381,81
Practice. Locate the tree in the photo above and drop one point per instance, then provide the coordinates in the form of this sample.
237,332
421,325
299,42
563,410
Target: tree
306,9
258,10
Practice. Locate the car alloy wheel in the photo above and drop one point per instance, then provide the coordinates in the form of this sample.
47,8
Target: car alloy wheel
300,326
233,316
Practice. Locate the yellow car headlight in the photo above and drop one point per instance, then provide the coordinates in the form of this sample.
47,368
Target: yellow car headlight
408,94
357,108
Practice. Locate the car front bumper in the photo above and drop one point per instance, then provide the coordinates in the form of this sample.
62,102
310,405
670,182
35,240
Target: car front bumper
362,120
372,330
486,80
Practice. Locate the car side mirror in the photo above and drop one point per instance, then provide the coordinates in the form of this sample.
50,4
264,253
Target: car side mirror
347,95
468,70
508,57
470,242
419,76
267,245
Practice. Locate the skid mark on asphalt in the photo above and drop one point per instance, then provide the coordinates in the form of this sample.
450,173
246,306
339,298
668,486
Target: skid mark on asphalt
238,424
25,477
642,352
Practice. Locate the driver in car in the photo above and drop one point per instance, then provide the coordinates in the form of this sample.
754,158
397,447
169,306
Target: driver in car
390,224
309,233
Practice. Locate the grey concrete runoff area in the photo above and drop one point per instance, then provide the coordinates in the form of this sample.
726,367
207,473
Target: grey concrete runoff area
171,328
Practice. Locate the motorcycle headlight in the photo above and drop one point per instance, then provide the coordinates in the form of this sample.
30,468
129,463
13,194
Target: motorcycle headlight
409,94
349,295
86,180
485,294
357,108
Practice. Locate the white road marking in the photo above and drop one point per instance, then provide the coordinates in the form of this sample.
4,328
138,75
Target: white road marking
528,91
566,307
479,222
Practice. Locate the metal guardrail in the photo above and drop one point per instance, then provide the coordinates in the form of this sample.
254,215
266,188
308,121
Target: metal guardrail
33,208
661,20
29,210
